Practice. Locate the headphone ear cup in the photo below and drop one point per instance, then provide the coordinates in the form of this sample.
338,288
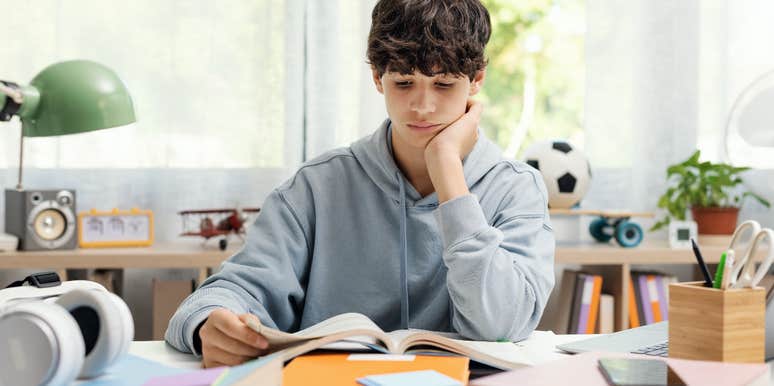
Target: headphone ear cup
40,343
102,327
127,326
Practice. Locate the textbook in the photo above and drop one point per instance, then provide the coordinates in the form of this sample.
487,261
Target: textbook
358,329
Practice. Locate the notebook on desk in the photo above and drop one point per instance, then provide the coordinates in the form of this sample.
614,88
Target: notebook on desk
344,369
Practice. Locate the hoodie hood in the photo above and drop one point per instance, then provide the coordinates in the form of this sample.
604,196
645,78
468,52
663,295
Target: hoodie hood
374,153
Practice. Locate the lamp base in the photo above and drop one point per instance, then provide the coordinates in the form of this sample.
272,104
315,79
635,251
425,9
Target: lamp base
41,219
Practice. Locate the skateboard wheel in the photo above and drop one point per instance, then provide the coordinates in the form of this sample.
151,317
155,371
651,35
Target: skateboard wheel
628,234
597,230
223,244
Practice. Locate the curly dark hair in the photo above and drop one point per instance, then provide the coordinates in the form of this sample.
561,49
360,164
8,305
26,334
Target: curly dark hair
432,36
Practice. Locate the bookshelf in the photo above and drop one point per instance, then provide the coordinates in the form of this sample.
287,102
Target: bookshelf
614,264
177,255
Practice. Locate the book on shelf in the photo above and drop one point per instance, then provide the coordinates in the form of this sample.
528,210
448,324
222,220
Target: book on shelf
589,290
634,319
577,302
353,331
649,297
564,305
585,302
606,321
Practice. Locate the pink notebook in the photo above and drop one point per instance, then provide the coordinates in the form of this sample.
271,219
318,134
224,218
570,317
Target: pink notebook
582,369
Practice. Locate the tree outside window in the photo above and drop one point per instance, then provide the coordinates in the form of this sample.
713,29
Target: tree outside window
535,77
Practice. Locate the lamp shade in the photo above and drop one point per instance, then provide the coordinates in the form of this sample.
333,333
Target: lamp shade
74,97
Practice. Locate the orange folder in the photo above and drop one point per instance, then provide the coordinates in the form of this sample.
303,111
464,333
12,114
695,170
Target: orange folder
337,369
654,300
594,311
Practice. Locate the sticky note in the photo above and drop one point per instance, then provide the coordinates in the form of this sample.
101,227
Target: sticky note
412,378
381,357
194,378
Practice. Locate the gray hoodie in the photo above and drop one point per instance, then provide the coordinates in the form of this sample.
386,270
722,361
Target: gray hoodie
349,233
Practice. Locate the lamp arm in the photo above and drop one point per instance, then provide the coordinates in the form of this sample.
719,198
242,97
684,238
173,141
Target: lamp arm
19,185
12,93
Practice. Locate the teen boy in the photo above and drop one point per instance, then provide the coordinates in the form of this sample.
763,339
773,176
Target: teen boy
420,225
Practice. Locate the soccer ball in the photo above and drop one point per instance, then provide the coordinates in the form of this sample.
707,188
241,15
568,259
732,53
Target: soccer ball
565,170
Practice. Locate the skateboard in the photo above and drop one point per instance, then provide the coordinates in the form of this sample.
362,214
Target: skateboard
611,224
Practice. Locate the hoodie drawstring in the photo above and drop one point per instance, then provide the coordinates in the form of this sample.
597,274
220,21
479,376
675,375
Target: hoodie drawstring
404,302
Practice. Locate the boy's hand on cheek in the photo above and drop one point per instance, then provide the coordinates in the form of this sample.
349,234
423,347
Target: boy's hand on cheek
457,138
444,153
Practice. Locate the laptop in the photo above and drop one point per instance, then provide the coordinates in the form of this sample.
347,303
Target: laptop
651,339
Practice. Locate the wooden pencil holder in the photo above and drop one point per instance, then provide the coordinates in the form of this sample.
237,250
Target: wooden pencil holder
711,324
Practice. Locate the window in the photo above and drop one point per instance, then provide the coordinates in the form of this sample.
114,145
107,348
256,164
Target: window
213,83
535,78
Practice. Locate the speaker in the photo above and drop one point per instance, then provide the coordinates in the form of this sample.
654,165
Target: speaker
41,219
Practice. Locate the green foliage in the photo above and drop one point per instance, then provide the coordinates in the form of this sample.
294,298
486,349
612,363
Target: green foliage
557,67
701,184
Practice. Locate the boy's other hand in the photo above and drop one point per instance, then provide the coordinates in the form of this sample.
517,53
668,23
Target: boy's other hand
227,341
459,137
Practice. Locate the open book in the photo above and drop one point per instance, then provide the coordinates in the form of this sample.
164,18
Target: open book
359,329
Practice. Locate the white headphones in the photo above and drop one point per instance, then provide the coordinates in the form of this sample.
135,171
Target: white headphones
53,332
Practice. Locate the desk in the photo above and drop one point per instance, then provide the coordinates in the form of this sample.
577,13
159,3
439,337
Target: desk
161,352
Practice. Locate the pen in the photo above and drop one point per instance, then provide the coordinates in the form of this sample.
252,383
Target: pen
729,264
720,272
704,270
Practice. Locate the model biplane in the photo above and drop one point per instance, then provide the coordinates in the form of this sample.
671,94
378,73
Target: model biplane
217,223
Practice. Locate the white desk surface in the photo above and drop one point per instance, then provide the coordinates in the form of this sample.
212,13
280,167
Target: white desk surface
161,352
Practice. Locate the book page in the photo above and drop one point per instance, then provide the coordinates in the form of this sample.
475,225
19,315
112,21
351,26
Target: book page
401,337
332,326
503,355
375,340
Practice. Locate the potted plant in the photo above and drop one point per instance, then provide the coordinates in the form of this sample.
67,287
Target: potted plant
710,190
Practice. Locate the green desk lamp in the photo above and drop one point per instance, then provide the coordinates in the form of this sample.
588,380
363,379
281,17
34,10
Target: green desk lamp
65,98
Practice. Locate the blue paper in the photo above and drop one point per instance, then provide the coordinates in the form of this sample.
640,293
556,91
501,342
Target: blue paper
412,378
236,373
132,370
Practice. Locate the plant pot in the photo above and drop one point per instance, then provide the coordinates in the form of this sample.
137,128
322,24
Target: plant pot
715,220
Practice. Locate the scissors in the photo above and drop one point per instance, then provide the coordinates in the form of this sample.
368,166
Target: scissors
746,264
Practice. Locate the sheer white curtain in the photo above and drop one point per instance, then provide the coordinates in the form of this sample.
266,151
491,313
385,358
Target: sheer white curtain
661,76
342,102
217,88
736,51
230,96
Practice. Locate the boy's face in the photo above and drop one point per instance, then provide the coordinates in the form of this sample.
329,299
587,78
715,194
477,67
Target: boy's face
421,106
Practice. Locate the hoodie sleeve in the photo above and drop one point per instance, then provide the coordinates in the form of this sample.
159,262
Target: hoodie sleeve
500,275
264,278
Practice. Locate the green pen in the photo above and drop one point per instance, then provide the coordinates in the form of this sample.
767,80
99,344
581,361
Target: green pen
719,271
